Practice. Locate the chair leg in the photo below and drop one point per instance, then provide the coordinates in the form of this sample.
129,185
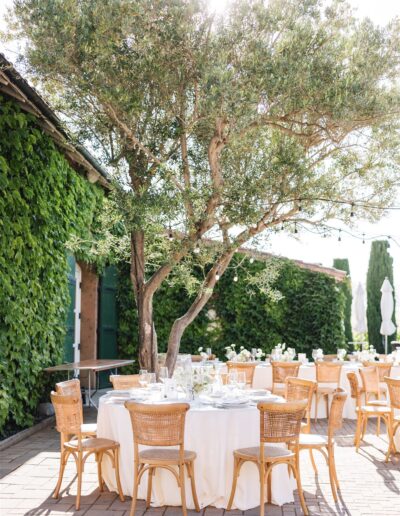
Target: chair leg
389,428
117,477
334,469
149,486
99,457
316,407
364,426
313,461
63,462
378,426
269,485
182,485
134,490
79,488
262,487
190,468
332,474
296,473
358,431
326,396
236,468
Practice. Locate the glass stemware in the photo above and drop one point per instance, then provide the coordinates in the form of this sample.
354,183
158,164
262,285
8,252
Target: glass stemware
253,353
209,353
151,379
315,354
241,380
143,378
163,374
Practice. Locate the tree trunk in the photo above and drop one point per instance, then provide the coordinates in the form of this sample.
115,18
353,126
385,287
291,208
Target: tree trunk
144,302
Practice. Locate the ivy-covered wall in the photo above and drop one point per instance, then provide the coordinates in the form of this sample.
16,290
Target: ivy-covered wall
42,202
310,313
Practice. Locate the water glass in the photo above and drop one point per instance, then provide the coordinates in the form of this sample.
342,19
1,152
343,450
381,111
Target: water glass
143,378
253,353
163,374
151,378
315,354
209,352
232,379
241,380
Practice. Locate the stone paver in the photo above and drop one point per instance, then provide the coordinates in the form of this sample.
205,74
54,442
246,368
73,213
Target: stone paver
369,486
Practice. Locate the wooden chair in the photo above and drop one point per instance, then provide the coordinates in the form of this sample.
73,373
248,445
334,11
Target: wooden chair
281,371
69,423
326,373
364,412
161,426
325,444
299,389
243,367
279,423
123,382
384,370
330,358
394,421
370,387
73,388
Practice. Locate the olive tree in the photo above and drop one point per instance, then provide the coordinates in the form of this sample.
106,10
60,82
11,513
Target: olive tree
219,128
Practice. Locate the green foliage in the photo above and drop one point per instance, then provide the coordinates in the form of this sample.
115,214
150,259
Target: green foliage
380,266
308,313
343,265
42,202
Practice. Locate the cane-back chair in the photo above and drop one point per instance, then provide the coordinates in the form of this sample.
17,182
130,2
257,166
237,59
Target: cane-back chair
328,380
161,427
279,423
384,370
243,367
69,423
371,389
300,389
73,388
394,420
122,382
325,444
281,371
364,412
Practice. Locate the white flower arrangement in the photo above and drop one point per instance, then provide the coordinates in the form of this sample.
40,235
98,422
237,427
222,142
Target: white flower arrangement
341,354
259,354
201,379
202,353
244,355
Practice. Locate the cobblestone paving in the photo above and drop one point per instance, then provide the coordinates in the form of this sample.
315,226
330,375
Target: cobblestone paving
369,486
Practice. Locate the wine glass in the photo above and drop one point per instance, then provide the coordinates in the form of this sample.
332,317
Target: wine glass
209,353
232,379
315,354
151,379
143,378
163,374
241,380
253,353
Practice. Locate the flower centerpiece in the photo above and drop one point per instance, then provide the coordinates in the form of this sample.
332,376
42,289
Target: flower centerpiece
281,354
203,354
341,354
244,355
201,379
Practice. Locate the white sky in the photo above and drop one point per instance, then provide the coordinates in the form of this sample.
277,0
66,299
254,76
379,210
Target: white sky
309,247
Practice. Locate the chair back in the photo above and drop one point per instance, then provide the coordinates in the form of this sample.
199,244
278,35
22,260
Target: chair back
383,368
282,370
394,392
281,422
158,425
122,382
300,389
243,367
330,358
196,358
328,372
68,413
71,388
336,411
354,388
370,381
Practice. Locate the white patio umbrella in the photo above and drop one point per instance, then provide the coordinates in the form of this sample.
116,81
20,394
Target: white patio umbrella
387,307
359,308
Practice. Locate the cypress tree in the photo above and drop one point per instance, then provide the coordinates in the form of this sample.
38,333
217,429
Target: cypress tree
380,266
345,286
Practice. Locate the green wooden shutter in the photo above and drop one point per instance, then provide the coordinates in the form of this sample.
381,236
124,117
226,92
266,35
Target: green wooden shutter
107,326
70,335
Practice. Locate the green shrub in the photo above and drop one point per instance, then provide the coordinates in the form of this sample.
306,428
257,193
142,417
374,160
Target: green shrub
42,202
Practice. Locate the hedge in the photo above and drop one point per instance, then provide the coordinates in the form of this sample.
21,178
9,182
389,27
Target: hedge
42,202
310,313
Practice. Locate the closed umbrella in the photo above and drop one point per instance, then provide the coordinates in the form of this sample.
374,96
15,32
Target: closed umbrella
359,308
387,307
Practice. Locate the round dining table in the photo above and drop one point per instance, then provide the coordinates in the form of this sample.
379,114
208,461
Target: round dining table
213,433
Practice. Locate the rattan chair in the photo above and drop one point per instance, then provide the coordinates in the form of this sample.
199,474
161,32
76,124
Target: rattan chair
69,422
243,367
329,358
394,421
384,370
326,373
73,388
281,371
325,444
122,382
161,426
279,423
364,412
370,387
299,389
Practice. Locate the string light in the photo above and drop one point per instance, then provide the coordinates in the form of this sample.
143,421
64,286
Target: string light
235,278
295,227
217,276
339,237
251,260
196,249
282,227
352,210
300,206
363,241
170,235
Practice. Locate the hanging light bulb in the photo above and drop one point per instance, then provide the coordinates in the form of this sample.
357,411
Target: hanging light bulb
352,210
217,276
196,249
251,260
300,206
235,278
363,238
339,237
282,227
295,227
170,235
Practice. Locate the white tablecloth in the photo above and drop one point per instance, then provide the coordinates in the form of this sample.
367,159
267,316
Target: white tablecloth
263,380
213,434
